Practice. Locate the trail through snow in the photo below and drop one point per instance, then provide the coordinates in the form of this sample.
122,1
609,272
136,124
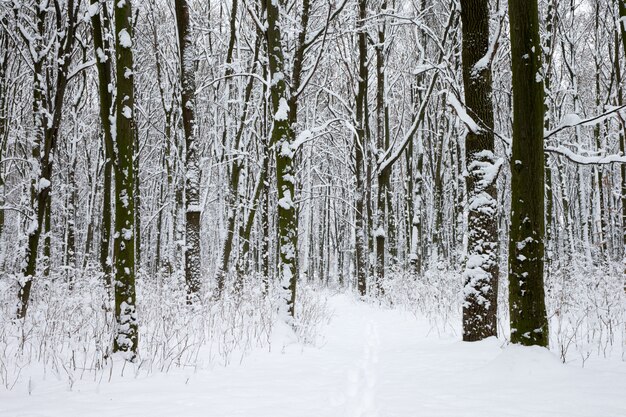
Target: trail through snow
374,362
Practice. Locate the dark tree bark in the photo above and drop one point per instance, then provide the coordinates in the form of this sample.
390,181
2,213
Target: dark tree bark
192,179
547,79
4,119
622,15
47,112
620,101
361,261
529,322
103,66
481,270
380,233
126,338
283,138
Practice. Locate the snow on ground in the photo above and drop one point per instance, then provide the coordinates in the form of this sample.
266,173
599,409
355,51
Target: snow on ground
373,362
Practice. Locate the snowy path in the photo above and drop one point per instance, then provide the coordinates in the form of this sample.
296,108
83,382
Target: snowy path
374,363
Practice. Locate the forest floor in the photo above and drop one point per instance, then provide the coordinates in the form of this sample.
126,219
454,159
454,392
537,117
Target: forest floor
370,361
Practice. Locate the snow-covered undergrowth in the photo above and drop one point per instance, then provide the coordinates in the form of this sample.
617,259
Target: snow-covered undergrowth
375,361
586,305
435,295
67,334
587,308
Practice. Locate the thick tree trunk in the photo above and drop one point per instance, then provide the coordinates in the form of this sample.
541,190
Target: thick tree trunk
126,338
282,140
529,323
480,291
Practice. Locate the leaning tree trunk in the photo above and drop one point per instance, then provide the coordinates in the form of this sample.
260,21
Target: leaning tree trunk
283,139
481,270
529,322
192,179
126,337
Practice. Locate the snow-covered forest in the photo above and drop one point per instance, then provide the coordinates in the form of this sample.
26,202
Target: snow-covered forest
312,207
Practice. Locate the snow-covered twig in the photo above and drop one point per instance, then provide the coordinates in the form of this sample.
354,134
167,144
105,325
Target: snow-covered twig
586,159
573,120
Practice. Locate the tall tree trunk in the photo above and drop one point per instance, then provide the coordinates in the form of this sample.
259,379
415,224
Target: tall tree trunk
37,195
529,322
622,26
126,338
601,224
622,136
265,208
4,116
103,66
547,79
192,168
361,261
383,175
282,140
48,99
480,292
